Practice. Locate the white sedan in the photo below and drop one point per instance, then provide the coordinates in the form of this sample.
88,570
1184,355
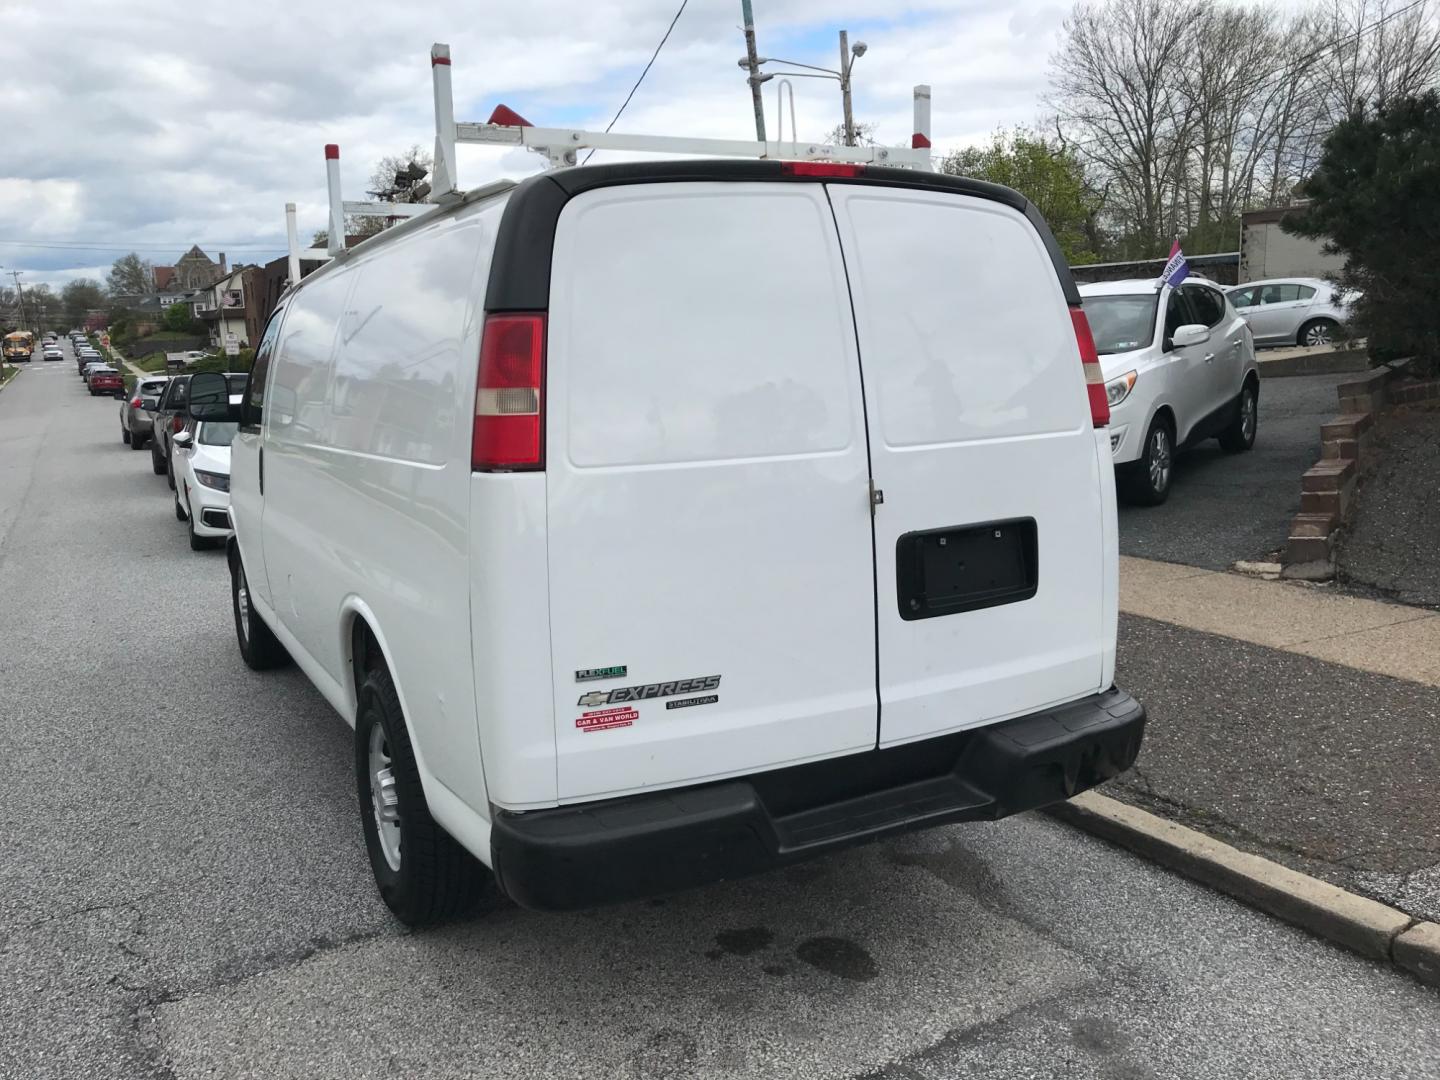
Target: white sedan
1179,367
202,481
1292,311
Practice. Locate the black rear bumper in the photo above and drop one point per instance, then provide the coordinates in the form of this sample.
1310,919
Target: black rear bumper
622,849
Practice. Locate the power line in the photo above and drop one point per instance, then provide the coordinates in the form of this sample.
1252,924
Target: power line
679,11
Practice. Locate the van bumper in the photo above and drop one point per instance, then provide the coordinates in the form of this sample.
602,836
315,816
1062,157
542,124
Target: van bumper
644,845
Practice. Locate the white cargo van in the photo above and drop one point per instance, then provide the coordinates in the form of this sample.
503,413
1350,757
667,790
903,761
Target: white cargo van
655,524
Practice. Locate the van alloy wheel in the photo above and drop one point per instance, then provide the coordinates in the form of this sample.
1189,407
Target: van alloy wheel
242,608
384,798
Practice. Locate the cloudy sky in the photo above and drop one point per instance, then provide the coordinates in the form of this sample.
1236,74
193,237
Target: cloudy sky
148,126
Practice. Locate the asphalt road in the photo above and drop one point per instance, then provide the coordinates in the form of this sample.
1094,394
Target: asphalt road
1227,507
185,892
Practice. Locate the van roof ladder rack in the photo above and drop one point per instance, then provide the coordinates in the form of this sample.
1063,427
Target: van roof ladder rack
560,147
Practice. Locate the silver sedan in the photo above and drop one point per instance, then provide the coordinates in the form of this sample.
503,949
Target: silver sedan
1292,311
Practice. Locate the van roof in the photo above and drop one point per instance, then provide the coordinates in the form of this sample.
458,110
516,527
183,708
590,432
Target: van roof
520,267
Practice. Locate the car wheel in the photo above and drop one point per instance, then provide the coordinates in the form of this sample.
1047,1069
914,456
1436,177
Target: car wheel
259,647
137,441
1147,481
197,543
423,875
124,434
1317,332
1240,435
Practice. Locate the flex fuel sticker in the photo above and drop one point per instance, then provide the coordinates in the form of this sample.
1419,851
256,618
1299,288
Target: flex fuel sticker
590,674
650,690
605,719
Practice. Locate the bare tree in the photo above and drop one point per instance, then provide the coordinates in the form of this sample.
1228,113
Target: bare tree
1187,115
1116,89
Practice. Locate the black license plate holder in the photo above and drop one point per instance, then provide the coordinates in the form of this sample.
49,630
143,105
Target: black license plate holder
966,568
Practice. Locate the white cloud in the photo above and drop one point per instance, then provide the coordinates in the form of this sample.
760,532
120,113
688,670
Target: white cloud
156,127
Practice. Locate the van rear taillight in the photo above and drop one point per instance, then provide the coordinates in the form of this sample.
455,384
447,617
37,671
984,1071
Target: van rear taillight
821,168
1090,361
509,398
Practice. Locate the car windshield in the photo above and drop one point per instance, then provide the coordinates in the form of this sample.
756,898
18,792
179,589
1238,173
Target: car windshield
1121,323
217,433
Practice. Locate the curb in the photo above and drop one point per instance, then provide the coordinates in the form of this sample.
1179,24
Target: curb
1364,926
1330,362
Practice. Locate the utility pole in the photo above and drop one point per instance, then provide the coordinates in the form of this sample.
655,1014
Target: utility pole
753,62
19,295
845,87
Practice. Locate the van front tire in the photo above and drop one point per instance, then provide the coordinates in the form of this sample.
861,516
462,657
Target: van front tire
423,875
259,647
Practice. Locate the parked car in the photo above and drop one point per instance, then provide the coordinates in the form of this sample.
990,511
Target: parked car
202,480
1292,311
643,485
85,359
53,352
88,366
169,418
104,379
1179,367
137,411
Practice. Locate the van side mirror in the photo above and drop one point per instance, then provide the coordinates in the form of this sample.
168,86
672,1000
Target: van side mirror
210,398
1189,334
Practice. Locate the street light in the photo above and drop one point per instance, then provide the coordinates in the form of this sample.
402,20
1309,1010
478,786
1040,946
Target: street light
848,55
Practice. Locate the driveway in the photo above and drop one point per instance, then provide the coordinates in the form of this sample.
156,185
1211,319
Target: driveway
1227,507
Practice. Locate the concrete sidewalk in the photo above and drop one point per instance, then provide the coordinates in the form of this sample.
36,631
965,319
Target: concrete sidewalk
1369,635
1289,721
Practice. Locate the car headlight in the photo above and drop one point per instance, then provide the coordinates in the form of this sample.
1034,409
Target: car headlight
218,481
1118,389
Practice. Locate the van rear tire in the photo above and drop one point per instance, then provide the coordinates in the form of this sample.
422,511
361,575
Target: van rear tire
423,875
259,647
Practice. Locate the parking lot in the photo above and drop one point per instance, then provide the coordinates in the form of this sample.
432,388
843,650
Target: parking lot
1228,507
187,894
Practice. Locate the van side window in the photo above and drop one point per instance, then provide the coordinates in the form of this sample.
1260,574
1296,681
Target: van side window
253,411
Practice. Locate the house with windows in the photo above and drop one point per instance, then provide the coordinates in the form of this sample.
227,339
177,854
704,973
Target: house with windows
230,307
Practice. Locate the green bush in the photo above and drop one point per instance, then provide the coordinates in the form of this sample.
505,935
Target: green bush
1375,199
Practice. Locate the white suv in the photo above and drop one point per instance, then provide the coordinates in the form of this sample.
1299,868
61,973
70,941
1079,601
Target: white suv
659,523
1179,367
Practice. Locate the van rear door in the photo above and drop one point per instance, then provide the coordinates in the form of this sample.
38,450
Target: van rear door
710,559
989,569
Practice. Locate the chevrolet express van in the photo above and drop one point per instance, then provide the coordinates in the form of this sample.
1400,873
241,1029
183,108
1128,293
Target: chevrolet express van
659,523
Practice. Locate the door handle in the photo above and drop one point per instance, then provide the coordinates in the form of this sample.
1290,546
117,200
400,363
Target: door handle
1209,357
